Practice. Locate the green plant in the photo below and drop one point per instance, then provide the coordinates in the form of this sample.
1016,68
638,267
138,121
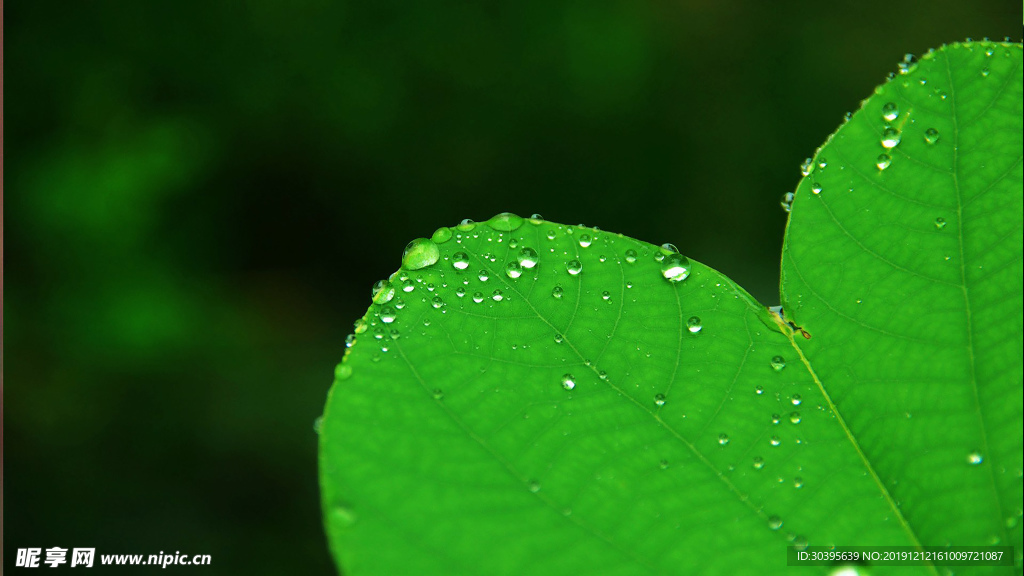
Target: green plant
525,397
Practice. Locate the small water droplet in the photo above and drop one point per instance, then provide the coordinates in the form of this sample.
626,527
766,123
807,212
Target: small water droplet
669,248
460,292
559,338
630,256
890,111
382,292
534,486
822,163
663,464
497,295
387,314
759,390
551,234
806,167
794,417
984,72
975,458
606,296
460,260
774,522
342,371
574,267
816,188
778,363
483,275
513,270
585,240
758,463
723,439
798,482
466,225
568,381
438,394
675,267
800,543
890,138
536,219
883,161
437,302
478,297
395,334
940,223
787,202
693,325
659,399
602,375
931,136
527,257
776,418
557,292
795,399
775,441
360,326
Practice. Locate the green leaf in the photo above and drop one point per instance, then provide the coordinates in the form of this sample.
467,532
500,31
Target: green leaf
909,279
535,398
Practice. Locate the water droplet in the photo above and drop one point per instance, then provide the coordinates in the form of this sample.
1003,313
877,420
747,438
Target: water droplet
438,394
460,292
940,223
466,225
794,417
360,326
795,399
883,161
931,136
497,295
630,256
513,270
822,163
559,338
890,138
505,222
483,275
437,302
975,458
382,292
693,325
800,543
395,334
723,439
350,340
568,381
798,482
527,257
775,441
441,235
460,260
776,418
602,375
574,267
806,167
758,463
408,286
585,240
774,522
675,267
759,390
551,234
816,188
606,296
342,371
787,202
890,111
478,297
557,291
387,314
984,72
778,363
536,219
663,464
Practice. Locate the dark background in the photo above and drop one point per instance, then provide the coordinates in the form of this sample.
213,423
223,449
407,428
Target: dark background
200,195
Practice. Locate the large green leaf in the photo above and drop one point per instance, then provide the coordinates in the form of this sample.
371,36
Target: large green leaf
598,412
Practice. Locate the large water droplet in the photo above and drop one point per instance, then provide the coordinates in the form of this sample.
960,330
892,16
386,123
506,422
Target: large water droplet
693,325
568,381
513,270
536,219
574,267
382,292
890,111
478,297
890,138
931,136
778,363
527,257
442,235
675,267
420,253
466,225
505,222
460,260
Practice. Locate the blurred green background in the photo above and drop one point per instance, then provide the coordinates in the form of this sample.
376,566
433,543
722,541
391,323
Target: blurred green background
200,195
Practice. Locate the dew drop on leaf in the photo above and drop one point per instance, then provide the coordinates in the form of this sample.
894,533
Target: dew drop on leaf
890,111
774,522
382,292
890,138
816,188
630,256
758,463
437,302
794,417
585,240
940,223
342,371
573,267
497,295
931,136
557,292
466,225
568,381
975,458
806,167
527,257
387,314
505,222
559,339
659,399
675,267
778,363
693,325
460,261
483,275
795,399
775,441
723,439
514,270
883,161
478,297
787,202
